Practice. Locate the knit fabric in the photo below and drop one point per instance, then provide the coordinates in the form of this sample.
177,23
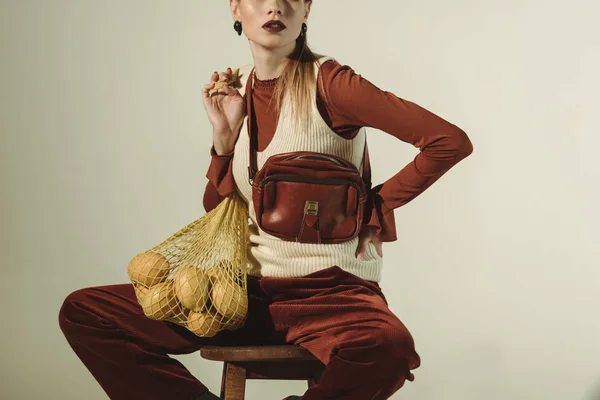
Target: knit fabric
274,257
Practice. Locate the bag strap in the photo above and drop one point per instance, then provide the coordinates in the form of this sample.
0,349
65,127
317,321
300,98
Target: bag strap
253,167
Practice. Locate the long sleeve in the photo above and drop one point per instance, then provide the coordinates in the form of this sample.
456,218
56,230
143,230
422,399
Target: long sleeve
359,103
220,180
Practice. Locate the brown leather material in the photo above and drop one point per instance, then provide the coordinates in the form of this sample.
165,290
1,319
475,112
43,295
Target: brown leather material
305,196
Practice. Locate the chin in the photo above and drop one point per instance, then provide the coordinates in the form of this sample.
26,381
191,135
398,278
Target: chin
273,43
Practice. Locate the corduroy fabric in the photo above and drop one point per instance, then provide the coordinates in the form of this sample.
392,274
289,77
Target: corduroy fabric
342,319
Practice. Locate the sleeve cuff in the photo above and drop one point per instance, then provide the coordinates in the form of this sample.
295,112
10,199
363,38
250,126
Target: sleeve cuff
214,154
220,173
381,217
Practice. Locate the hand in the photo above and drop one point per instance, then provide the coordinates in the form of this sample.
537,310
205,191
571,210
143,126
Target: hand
367,234
225,108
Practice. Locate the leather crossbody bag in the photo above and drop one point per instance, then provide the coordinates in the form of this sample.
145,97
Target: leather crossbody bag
307,197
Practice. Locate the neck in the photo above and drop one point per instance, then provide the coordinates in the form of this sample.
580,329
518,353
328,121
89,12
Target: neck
270,63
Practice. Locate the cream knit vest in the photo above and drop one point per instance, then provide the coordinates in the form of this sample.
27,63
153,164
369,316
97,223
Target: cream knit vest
271,256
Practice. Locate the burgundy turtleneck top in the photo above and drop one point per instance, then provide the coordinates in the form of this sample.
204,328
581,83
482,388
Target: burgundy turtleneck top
354,102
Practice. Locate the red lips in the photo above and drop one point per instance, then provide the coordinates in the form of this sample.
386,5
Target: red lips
275,25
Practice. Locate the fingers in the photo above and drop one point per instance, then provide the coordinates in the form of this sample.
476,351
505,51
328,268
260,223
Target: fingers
362,248
214,78
207,88
225,76
229,91
368,235
379,248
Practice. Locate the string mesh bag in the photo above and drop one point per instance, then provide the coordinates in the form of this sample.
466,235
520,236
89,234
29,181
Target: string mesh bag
197,277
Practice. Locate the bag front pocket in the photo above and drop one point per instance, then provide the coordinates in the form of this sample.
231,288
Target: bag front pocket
309,209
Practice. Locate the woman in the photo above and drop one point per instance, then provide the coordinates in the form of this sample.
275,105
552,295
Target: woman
324,297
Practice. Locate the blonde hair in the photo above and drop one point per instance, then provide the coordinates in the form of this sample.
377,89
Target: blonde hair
298,82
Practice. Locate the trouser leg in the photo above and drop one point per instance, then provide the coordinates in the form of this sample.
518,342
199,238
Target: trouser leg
127,353
346,323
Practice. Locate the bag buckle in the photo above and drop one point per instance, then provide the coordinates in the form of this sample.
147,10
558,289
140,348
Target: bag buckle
311,207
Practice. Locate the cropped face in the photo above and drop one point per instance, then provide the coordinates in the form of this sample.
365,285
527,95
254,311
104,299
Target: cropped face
271,23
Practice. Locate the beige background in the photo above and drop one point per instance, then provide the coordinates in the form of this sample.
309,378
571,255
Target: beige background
105,147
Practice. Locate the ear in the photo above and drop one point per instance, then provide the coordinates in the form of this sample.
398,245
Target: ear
308,4
235,12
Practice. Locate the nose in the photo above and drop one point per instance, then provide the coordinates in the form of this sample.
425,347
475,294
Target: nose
274,7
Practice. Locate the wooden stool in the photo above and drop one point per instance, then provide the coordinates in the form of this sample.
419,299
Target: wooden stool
287,362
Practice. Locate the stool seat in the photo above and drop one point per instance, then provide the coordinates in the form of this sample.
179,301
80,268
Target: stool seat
256,353
283,362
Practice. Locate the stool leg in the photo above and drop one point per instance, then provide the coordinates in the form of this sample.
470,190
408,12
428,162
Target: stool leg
223,380
233,382
316,377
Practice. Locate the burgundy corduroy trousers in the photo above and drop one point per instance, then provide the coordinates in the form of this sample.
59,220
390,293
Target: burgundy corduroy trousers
340,318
